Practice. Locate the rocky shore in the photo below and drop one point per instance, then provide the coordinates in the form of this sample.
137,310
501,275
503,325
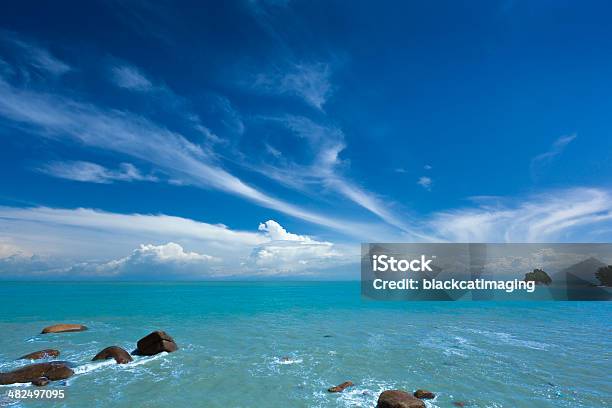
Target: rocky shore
41,374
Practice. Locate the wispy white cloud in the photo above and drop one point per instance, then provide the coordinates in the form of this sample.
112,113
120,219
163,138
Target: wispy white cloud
539,162
61,118
425,182
64,232
231,118
5,68
325,144
216,250
67,243
130,77
36,56
94,173
271,150
308,81
559,216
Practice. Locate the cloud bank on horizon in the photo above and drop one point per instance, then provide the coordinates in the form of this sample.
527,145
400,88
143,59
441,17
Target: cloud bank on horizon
123,163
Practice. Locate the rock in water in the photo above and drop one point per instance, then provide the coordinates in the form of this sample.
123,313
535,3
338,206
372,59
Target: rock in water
54,370
120,355
340,387
40,354
156,342
398,399
424,394
61,328
40,382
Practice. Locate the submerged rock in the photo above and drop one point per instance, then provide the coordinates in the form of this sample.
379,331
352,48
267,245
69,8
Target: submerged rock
40,382
54,370
40,354
120,355
459,403
398,399
424,394
64,327
340,387
155,343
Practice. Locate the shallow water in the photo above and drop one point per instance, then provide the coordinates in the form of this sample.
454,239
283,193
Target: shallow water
233,338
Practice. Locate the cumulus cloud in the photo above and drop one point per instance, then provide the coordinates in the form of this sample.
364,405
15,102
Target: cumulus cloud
149,261
309,81
276,232
286,252
294,257
94,173
71,243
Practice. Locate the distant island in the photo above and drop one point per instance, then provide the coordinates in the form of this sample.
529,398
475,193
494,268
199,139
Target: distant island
604,275
539,277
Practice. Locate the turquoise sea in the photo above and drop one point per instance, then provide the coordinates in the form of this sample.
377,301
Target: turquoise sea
283,344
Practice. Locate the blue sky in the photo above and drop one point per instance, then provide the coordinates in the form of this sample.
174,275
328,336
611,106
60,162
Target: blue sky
270,138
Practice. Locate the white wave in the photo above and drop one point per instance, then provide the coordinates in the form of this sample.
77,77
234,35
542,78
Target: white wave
287,360
89,367
509,339
16,385
366,395
145,360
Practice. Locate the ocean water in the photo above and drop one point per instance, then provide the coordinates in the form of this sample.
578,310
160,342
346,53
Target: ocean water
267,345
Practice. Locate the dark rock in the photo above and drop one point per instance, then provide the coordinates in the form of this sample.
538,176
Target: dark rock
285,359
340,387
62,328
40,354
398,399
54,370
424,394
155,343
40,382
120,355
